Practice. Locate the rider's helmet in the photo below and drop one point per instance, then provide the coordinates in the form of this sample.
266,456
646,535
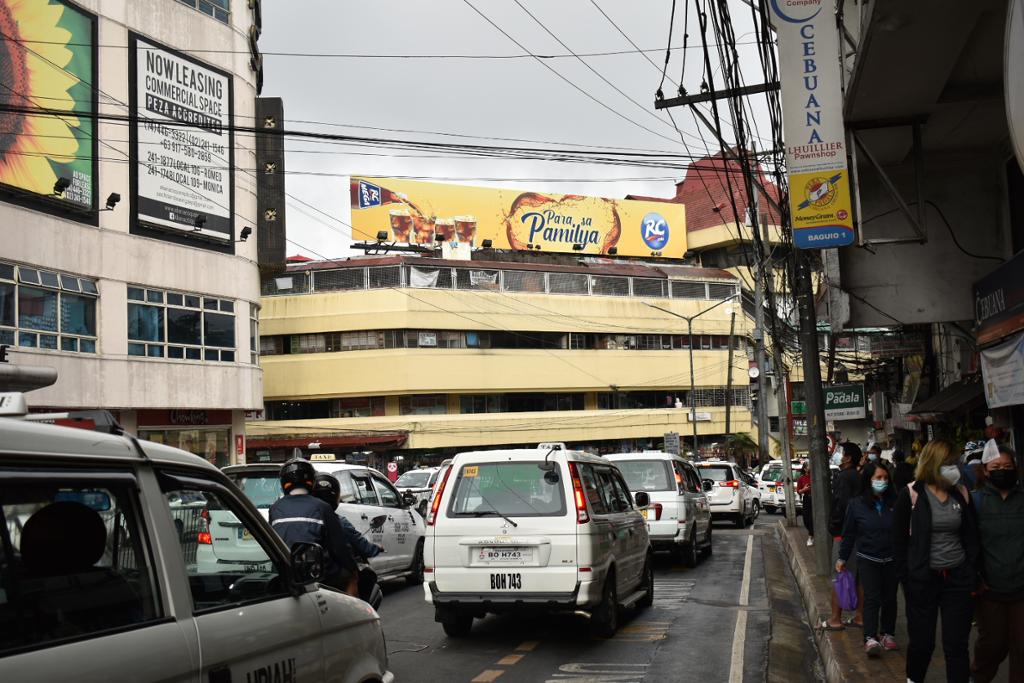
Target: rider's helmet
297,473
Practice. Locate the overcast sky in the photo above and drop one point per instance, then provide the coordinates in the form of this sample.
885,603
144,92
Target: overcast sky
510,98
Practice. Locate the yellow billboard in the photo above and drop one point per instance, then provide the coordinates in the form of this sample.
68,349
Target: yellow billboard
415,212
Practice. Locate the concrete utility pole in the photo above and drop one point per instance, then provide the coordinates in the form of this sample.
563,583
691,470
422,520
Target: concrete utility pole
728,380
761,360
821,492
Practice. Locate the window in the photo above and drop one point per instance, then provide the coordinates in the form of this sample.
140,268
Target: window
254,334
683,477
218,9
227,558
41,313
389,497
646,475
363,492
180,326
521,489
361,406
622,491
614,498
297,410
423,404
74,559
592,489
272,346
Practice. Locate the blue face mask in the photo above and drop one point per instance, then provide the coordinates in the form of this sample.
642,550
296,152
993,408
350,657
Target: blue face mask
879,486
872,457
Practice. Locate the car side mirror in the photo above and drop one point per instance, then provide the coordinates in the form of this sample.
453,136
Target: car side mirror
642,499
707,485
307,563
408,499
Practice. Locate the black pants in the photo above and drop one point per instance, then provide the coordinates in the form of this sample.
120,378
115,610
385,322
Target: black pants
879,582
948,592
808,513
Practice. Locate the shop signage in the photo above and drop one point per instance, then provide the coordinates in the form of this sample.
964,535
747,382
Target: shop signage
413,212
183,418
672,442
1002,368
698,417
845,402
999,301
798,407
182,146
812,111
187,417
239,444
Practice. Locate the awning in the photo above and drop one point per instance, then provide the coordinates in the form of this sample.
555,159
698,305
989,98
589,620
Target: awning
355,440
958,397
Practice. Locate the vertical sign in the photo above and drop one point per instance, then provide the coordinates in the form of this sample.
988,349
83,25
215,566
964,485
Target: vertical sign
182,146
672,442
812,108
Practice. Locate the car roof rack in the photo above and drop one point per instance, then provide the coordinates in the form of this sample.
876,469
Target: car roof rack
93,420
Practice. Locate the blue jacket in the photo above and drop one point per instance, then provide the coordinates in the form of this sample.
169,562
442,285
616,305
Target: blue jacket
303,518
360,546
869,527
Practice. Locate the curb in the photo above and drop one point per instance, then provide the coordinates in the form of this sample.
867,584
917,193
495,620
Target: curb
810,586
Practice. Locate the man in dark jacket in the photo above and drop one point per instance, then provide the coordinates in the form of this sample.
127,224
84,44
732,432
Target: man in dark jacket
299,517
999,610
903,472
846,485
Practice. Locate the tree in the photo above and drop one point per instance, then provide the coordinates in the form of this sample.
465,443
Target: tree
742,444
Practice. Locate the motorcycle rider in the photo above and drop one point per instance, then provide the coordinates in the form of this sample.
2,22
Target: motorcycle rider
328,489
300,517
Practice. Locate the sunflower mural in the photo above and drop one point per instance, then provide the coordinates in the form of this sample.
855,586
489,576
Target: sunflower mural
47,61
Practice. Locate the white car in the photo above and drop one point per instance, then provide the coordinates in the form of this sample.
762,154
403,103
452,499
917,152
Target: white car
679,516
536,530
104,588
419,482
368,500
729,495
772,486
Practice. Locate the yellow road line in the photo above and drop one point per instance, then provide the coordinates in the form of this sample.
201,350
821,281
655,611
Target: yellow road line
488,675
528,646
509,660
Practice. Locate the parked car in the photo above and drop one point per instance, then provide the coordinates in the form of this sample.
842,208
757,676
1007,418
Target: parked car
679,516
773,493
545,530
729,495
98,584
368,501
420,483
754,490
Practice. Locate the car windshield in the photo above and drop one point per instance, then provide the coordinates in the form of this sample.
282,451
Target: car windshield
519,489
716,472
261,489
773,474
414,479
646,475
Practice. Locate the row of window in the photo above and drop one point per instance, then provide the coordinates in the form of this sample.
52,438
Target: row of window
530,402
218,9
331,342
178,325
46,309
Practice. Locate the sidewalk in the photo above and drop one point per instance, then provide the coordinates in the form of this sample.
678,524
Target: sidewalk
842,652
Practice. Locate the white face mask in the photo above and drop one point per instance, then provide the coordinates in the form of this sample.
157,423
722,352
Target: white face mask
951,473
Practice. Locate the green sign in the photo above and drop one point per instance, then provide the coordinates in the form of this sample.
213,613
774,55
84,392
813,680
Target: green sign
845,402
798,407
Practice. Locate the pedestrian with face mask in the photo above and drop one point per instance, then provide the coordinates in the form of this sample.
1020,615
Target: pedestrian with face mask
868,527
999,611
935,550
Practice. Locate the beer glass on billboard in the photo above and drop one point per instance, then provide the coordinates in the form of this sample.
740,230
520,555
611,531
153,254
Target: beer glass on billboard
465,229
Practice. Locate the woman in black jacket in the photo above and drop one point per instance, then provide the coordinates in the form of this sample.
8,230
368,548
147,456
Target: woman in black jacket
868,525
935,548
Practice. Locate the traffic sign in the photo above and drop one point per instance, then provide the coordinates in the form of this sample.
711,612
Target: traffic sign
672,442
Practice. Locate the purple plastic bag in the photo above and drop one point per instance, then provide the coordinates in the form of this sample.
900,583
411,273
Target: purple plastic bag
846,590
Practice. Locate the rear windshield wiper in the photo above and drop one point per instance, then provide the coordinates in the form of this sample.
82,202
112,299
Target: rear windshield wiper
488,513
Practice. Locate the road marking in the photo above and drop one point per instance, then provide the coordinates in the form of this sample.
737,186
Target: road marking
488,676
528,646
672,590
740,632
509,660
605,672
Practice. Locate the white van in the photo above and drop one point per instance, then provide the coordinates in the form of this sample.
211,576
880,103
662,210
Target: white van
535,529
679,516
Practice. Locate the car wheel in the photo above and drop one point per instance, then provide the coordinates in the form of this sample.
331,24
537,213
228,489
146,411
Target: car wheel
757,511
604,620
415,575
691,557
741,520
648,583
459,626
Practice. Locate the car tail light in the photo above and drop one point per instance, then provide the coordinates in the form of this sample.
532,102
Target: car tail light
436,503
657,511
204,538
582,515
731,484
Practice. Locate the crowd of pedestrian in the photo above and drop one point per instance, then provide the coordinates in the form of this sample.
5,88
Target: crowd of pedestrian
947,525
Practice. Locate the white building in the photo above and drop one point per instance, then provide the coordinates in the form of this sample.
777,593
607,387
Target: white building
148,310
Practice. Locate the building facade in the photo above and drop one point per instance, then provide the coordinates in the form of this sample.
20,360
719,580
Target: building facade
422,357
122,263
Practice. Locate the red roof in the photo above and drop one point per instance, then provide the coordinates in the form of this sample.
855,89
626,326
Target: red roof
297,258
705,192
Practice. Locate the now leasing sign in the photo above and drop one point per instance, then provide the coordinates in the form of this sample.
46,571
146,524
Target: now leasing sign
812,113
845,402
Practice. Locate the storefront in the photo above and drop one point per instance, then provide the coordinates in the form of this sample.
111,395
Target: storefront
207,433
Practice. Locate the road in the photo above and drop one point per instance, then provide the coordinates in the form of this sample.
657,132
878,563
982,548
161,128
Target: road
711,623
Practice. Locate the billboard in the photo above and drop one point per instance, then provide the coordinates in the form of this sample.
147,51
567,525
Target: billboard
48,61
182,146
845,402
414,212
812,112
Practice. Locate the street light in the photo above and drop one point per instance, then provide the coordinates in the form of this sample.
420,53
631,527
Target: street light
689,331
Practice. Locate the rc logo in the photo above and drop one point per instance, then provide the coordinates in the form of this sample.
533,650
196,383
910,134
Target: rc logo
369,195
654,230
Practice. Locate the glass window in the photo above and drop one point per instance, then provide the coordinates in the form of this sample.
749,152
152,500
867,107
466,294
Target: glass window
29,275
154,296
519,489
70,283
614,499
78,315
192,301
7,304
414,479
262,488
6,271
183,326
37,309
219,330
226,555
364,493
646,475
74,559
622,491
48,279
227,306
145,323
88,286
715,473
47,341
423,404
389,497
136,294
174,299
592,489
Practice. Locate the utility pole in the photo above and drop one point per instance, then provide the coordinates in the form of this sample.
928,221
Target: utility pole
761,360
728,377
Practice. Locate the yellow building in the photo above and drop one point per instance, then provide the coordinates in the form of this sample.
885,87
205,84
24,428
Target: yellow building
424,357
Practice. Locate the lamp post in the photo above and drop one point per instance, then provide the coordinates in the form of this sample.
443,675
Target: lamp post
689,331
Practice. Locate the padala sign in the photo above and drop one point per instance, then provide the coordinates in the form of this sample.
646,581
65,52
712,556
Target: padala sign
845,402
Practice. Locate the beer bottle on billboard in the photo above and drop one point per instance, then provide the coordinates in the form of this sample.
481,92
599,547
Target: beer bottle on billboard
386,196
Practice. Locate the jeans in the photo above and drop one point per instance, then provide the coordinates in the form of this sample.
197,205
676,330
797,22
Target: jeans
808,514
879,582
1000,633
947,591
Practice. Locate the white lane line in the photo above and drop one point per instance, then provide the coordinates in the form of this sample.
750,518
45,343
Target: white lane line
740,632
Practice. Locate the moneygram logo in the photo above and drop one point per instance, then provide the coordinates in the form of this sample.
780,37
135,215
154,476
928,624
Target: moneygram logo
654,231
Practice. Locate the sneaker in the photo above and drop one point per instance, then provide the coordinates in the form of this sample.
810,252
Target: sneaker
810,540
889,643
872,647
